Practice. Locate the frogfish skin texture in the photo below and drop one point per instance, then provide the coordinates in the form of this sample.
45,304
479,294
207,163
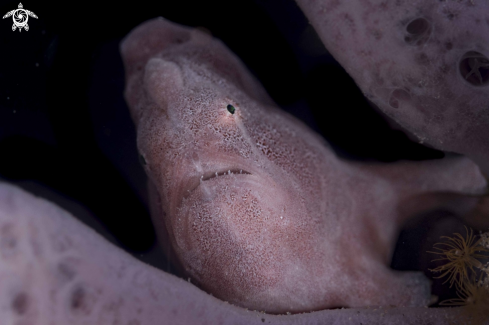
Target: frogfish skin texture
54,270
423,63
258,210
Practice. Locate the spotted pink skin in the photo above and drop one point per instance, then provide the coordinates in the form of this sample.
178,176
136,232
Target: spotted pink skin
56,271
406,57
290,227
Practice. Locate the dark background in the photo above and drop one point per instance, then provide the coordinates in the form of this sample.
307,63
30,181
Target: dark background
65,130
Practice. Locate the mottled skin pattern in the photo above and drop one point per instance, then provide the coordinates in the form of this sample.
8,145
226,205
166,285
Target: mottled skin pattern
56,271
258,210
424,63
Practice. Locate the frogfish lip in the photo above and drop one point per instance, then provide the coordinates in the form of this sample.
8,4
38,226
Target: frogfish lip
225,172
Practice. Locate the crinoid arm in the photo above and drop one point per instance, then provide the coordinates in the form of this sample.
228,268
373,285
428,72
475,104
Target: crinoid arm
30,13
471,292
14,27
26,27
8,14
466,268
462,256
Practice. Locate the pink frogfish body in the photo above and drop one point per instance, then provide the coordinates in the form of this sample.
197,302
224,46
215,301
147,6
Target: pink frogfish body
257,208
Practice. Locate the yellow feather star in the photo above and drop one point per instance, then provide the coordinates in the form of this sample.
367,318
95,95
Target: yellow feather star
470,293
462,256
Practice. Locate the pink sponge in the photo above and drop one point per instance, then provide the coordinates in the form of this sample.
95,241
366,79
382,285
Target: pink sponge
423,63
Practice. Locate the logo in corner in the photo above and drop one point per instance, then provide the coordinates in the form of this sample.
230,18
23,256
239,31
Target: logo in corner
20,17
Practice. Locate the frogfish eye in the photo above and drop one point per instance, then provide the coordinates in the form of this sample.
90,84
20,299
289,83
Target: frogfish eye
231,109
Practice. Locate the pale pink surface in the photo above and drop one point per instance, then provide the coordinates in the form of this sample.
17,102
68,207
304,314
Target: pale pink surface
412,72
290,227
56,271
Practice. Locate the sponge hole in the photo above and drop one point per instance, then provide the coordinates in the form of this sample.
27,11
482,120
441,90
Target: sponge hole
418,32
474,68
